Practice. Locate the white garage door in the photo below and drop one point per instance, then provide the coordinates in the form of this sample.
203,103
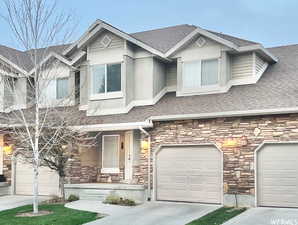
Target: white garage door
277,173
190,174
48,180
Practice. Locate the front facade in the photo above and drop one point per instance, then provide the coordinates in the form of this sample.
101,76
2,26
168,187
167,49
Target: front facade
179,114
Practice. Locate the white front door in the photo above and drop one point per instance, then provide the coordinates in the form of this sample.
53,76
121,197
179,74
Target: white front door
128,155
1,160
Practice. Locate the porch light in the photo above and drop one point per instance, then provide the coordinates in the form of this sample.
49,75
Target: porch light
64,147
7,149
144,145
230,143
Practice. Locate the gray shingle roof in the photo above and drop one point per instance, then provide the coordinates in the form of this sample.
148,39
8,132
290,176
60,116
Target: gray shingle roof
277,88
165,38
161,39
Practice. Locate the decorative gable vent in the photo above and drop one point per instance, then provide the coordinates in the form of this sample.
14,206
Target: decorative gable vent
200,41
106,41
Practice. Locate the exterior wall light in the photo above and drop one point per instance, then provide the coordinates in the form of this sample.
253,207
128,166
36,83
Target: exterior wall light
144,145
234,142
7,149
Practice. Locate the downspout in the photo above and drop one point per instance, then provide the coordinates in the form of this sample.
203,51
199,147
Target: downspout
149,162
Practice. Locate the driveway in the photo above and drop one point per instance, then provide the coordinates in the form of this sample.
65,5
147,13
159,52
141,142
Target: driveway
157,213
13,201
266,216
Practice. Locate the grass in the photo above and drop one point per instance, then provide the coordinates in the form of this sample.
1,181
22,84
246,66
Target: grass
218,216
60,216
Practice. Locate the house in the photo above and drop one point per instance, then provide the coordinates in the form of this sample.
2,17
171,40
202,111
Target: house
183,114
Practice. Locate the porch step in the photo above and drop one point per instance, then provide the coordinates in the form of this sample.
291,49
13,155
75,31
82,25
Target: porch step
92,194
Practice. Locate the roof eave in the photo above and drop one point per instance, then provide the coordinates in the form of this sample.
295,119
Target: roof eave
261,50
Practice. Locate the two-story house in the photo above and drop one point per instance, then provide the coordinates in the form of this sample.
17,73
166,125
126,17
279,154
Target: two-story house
183,114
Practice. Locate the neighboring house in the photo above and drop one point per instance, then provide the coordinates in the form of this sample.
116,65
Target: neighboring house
221,114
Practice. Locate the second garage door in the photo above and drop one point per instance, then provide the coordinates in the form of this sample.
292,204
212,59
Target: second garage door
277,173
48,180
189,173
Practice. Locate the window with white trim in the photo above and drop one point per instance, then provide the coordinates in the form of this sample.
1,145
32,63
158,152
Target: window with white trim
62,88
199,74
106,79
56,88
110,153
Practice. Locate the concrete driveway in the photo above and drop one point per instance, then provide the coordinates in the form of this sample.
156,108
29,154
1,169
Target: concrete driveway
158,213
266,216
13,201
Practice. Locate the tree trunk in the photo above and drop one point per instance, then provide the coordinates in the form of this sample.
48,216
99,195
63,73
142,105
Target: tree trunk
61,180
35,189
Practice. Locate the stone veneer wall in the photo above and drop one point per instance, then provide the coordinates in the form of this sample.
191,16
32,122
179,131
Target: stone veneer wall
238,161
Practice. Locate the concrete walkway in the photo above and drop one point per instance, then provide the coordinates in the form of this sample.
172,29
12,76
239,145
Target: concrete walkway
98,207
266,216
154,213
13,201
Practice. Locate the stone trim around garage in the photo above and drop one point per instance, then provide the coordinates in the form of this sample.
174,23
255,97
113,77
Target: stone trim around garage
239,161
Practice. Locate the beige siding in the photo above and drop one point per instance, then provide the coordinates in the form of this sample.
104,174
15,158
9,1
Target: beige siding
171,75
130,85
242,65
116,42
144,78
260,63
159,77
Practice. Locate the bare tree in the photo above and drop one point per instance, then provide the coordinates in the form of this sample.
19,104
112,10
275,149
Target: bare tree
37,25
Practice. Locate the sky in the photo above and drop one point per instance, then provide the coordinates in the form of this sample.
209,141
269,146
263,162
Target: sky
270,22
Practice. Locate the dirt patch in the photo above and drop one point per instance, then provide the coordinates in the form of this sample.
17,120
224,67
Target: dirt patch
31,214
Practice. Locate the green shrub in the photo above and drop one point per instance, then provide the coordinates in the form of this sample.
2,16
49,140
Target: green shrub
73,198
117,200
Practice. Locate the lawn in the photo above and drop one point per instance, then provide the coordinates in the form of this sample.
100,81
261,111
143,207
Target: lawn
218,216
60,216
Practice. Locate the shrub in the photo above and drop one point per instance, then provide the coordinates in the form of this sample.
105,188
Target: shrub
117,200
73,198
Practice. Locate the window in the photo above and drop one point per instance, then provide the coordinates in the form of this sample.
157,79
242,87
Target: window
106,79
209,72
110,153
198,74
62,88
55,89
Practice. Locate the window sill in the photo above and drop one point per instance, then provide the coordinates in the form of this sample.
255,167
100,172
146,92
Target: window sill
201,90
106,96
110,170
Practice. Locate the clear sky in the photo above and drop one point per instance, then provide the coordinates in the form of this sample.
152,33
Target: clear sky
271,22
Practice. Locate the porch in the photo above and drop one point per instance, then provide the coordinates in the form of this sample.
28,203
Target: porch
111,166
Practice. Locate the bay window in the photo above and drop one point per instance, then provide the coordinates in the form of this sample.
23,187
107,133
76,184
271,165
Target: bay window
106,80
110,153
199,74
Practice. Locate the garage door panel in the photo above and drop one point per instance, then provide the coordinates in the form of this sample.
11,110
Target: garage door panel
196,176
48,180
277,175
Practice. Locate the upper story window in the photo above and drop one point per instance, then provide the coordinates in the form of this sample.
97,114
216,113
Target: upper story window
200,74
106,81
62,88
56,89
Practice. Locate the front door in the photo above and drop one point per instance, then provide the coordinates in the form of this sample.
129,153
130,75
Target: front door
128,155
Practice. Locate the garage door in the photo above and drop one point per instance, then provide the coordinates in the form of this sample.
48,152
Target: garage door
190,174
277,172
48,180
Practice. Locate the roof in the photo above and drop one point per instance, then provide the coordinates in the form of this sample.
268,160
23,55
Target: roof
277,89
162,39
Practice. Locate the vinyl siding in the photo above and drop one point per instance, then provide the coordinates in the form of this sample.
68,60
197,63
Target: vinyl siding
242,65
171,75
116,42
159,77
260,63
